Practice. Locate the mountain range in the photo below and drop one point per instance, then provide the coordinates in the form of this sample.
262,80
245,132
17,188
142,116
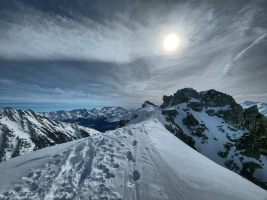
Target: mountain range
139,161
192,146
101,119
26,131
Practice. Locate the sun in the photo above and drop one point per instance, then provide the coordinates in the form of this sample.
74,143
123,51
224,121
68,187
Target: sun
171,42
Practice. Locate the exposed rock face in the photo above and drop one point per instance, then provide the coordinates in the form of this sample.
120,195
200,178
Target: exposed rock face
210,98
166,101
234,115
190,121
184,95
241,132
26,131
262,107
170,112
147,103
256,124
178,132
253,119
196,106
233,112
181,96
213,98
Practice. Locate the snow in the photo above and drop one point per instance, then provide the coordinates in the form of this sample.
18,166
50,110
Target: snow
142,161
261,173
17,129
218,135
199,172
105,112
261,106
15,168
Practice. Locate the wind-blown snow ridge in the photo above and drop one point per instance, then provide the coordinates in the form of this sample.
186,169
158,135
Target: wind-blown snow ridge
140,161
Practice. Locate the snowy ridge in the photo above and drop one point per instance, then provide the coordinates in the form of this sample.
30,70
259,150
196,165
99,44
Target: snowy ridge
139,161
213,124
26,131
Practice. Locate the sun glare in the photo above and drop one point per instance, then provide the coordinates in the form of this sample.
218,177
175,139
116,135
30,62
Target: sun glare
171,42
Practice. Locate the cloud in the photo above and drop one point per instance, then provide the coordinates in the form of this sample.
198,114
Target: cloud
47,37
121,38
111,53
261,97
238,56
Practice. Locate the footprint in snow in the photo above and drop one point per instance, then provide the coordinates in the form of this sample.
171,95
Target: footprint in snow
136,175
129,155
134,143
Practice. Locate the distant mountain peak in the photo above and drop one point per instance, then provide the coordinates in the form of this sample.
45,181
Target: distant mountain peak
101,119
26,131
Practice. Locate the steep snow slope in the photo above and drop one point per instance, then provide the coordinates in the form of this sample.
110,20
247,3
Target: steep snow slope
141,161
101,119
261,106
26,131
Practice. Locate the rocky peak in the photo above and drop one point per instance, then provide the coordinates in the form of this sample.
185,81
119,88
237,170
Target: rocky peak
209,101
166,101
148,103
184,95
213,98
209,98
181,96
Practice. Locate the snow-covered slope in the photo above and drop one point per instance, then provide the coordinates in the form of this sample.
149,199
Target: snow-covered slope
215,125
101,119
261,106
26,131
142,161
218,140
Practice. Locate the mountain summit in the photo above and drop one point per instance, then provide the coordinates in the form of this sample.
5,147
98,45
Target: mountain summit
160,152
214,124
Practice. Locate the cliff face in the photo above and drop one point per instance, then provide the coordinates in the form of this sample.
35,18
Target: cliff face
217,126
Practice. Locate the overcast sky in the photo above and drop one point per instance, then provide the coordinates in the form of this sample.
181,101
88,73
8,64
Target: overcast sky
101,52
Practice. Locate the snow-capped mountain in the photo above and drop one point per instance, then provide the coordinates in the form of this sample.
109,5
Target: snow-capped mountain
101,119
139,161
215,125
262,107
26,131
